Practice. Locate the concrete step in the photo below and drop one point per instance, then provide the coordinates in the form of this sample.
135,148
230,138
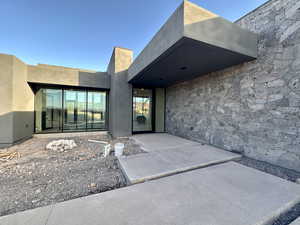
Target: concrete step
169,161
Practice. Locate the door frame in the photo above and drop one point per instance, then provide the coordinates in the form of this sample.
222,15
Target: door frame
152,110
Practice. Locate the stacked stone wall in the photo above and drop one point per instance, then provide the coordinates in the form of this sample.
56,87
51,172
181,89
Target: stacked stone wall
252,108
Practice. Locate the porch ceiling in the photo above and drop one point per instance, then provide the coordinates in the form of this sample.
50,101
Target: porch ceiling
186,60
192,42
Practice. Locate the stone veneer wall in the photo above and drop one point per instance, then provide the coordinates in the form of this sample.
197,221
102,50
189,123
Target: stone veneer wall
253,108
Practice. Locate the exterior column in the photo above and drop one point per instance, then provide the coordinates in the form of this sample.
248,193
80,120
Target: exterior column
120,96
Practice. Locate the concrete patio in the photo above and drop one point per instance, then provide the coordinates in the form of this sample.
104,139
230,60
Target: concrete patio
167,155
224,194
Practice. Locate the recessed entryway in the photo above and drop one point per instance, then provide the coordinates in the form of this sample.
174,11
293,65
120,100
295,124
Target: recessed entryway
148,110
142,110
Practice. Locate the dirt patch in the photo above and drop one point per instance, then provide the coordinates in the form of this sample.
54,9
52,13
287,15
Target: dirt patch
41,177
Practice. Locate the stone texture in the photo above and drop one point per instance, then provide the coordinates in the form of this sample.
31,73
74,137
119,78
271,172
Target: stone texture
251,108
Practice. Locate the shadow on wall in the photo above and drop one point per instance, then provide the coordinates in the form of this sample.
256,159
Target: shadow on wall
120,105
94,79
16,127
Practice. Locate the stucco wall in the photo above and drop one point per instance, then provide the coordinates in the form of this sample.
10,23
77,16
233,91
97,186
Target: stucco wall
6,116
23,102
17,97
159,110
48,74
253,108
16,105
120,95
167,36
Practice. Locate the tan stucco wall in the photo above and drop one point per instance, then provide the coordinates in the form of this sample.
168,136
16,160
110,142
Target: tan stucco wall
6,116
17,97
47,74
23,102
16,105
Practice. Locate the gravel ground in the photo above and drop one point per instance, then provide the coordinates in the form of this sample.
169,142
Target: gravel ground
42,177
287,174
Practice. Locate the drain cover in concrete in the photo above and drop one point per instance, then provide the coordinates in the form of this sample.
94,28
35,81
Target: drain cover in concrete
225,194
138,168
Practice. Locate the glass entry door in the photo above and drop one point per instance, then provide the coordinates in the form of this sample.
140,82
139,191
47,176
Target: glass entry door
142,110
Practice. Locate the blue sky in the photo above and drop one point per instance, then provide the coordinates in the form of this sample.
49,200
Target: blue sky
82,33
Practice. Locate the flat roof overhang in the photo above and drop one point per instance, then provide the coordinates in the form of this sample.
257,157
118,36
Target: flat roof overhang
193,42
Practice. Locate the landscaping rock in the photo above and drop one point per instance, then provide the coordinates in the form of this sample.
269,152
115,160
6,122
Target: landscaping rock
43,177
61,145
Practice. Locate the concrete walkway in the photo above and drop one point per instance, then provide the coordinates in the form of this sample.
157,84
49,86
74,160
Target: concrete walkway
225,194
296,222
167,155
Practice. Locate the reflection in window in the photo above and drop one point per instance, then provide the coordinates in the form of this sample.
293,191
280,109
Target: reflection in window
142,110
96,110
48,104
58,110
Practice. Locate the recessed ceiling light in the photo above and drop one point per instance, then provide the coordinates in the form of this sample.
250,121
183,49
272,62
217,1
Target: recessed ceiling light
183,68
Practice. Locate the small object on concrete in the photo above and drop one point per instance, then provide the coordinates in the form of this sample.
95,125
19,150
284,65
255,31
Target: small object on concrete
298,181
96,141
61,145
119,148
92,185
107,149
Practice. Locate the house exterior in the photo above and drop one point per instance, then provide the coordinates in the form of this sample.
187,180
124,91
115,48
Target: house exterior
232,85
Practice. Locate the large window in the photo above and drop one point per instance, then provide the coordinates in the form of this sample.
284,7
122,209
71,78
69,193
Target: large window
59,110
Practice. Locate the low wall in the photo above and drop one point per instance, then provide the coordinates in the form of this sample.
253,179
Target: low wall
57,75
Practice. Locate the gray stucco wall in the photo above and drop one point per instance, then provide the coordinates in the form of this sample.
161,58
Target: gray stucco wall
120,95
168,35
253,108
160,110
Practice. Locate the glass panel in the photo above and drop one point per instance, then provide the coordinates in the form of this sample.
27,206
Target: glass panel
81,110
48,105
142,110
96,110
74,110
